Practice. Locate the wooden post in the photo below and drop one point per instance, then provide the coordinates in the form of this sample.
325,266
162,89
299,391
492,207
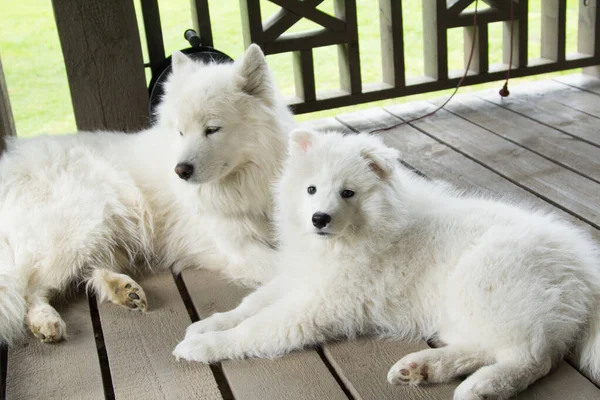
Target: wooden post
435,40
554,18
304,75
589,29
348,54
7,123
103,57
392,42
480,60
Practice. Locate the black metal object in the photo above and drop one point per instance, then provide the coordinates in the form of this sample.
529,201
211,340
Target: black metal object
196,52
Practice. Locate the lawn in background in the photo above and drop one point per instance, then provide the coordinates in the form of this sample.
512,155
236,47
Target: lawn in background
37,81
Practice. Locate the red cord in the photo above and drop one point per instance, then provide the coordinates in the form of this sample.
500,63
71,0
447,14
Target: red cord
503,92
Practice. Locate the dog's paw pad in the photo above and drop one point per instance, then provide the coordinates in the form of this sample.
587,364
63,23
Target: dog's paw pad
403,373
129,294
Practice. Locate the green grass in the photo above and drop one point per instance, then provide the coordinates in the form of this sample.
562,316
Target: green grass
39,91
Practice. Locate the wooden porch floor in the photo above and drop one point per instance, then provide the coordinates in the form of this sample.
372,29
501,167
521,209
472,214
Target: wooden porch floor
541,145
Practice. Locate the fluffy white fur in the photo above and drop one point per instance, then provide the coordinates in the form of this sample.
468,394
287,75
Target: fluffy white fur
82,208
508,290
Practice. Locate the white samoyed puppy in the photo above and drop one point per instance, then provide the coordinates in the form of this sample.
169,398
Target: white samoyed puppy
369,247
192,191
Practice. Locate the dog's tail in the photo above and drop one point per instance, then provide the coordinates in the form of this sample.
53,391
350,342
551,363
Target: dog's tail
12,304
588,352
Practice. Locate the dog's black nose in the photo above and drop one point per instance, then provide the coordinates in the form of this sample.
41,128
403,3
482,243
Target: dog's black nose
184,170
320,220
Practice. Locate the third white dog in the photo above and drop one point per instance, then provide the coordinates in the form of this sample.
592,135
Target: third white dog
369,247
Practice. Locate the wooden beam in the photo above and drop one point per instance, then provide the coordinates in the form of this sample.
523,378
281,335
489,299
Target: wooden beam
154,38
348,53
554,22
309,11
480,60
304,75
282,20
589,29
252,28
392,42
7,123
201,21
435,41
103,57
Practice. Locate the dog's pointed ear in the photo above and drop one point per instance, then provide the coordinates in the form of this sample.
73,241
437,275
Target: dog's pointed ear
254,71
179,61
382,160
301,140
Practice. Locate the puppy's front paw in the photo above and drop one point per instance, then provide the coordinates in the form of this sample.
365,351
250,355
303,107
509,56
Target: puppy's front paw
216,322
204,348
406,372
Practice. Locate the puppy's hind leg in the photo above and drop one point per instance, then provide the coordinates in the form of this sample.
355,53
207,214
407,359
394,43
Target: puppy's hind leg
43,320
511,374
438,365
119,289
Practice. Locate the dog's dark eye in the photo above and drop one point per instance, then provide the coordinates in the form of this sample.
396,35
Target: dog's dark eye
311,190
346,194
212,129
180,133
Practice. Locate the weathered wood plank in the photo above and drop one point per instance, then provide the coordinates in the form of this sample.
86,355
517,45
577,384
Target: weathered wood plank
583,82
139,347
7,123
53,371
363,366
581,100
297,376
566,189
536,101
103,58
571,153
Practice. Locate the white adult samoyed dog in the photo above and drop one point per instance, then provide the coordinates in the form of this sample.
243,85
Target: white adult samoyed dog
369,247
85,207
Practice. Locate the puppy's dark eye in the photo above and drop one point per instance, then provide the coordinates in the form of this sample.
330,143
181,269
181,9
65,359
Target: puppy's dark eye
180,133
346,194
311,190
212,129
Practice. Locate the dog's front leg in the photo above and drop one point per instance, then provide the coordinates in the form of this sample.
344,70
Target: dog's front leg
251,305
276,330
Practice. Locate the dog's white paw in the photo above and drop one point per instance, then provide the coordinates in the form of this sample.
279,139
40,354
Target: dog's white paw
47,325
408,372
203,348
216,322
126,292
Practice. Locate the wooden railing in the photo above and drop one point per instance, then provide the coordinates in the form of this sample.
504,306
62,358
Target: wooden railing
103,57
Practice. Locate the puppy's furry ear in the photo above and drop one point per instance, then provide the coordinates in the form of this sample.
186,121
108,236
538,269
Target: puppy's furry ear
256,78
179,61
301,140
382,160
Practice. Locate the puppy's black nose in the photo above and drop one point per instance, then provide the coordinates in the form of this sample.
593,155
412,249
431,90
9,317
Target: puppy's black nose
184,170
320,220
